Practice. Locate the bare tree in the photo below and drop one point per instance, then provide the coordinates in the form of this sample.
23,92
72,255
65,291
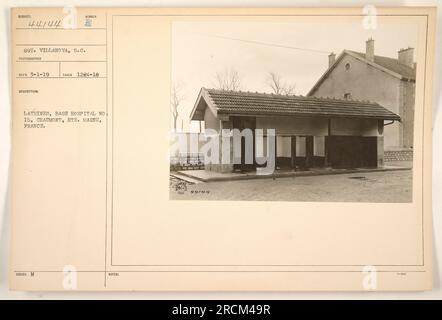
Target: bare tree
278,85
176,98
229,79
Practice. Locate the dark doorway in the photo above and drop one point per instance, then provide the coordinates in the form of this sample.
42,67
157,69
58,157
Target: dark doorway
242,123
351,151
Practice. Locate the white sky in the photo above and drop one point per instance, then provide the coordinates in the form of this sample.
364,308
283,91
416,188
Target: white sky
198,52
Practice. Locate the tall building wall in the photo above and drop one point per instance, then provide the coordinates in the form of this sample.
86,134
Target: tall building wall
365,82
408,101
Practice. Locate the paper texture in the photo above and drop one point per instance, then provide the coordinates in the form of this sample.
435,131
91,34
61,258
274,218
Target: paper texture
99,204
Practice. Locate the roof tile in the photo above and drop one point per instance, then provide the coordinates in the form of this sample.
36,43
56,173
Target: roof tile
247,103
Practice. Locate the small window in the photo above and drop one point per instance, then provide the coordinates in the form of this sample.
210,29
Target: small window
347,95
347,66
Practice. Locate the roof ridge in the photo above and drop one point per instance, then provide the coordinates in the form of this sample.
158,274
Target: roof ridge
376,55
396,60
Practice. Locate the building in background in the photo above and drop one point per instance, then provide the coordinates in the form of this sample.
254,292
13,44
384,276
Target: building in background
310,131
388,81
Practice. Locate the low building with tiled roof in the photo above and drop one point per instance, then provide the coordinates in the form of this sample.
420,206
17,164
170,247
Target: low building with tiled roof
385,80
310,131
263,104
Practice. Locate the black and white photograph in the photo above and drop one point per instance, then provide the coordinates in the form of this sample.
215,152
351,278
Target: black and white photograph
293,111
234,152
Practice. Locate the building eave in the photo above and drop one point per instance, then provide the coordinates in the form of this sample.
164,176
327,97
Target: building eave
203,94
307,115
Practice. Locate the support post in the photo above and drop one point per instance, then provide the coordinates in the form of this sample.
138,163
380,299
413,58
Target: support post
326,162
308,151
380,151
293,152
276,152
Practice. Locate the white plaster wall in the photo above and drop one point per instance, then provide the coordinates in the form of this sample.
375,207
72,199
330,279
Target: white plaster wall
374,86
354,127
294,125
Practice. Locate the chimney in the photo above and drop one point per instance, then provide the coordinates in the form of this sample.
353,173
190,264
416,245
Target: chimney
369,50
331,59
405,56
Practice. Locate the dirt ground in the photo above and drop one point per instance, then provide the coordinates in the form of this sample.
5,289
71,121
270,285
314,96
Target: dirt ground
387,186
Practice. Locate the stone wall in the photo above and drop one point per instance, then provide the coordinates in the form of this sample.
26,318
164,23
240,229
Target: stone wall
398,155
